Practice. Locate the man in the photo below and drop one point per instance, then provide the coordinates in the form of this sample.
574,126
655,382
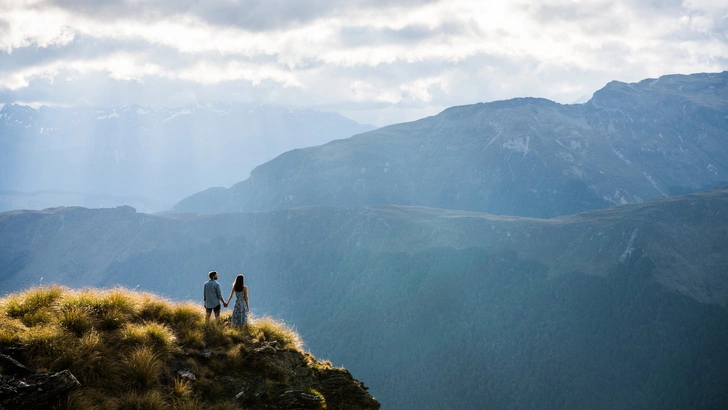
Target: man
213,297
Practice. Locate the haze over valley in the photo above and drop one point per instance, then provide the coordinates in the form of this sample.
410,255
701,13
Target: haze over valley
146,157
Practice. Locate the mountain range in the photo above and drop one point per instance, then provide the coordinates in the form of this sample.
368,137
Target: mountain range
514,254
147,157
629,143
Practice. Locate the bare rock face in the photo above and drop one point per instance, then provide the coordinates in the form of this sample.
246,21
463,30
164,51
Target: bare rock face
10,366
36,391
341,388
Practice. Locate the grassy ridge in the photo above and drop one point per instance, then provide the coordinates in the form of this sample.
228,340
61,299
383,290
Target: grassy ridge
120,343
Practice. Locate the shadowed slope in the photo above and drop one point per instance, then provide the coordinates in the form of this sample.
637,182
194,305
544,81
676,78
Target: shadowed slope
616,308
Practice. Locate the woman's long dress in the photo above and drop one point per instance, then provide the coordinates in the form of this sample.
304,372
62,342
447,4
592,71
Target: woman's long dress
240,311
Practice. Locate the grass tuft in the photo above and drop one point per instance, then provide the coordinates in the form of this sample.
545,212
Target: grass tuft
78,400
133,334
107,309
224,406
142,368
76,319
217,333
234,358
318,394
32,301
181,391
186,315
267,329
155,335
155,309
149,400
91,362
161,338
44,342
10,331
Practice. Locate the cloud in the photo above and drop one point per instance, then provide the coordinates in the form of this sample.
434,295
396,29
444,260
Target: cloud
383,61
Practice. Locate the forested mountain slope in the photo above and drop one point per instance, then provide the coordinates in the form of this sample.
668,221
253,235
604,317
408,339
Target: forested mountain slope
616,308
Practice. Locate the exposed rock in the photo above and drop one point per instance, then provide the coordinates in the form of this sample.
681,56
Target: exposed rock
266,350
343,391
293,383
186,375
182,371
297,399
251,391
37,391
10,366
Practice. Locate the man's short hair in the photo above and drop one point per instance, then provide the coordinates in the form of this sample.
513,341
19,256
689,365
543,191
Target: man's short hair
211,274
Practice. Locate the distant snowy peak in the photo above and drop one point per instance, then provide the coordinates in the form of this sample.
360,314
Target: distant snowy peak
16,115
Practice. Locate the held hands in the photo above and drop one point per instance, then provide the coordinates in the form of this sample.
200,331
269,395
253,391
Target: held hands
225,304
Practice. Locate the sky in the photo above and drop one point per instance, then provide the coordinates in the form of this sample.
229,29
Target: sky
377,62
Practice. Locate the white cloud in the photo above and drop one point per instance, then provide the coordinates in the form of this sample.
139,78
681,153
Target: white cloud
30,27
234,70
410,57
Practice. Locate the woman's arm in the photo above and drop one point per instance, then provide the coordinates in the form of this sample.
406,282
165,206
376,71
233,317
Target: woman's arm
245,293
231,295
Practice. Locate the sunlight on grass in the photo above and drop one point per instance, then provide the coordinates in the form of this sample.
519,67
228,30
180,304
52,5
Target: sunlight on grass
267,329
216,333
120,345
32,301
153,334
43,340
10,331
154,308
90,358
181,390
76,319
142,368
187,314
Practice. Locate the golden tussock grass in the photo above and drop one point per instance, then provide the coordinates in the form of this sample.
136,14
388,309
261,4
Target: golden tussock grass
142,368
119,343
267,329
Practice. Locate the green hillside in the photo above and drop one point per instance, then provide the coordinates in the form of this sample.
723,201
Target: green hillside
136,350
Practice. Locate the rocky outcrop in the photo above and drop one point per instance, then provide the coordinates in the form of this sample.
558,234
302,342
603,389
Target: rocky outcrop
267,378
20,388
273,378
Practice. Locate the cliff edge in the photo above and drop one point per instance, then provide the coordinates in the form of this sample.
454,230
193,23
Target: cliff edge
121,349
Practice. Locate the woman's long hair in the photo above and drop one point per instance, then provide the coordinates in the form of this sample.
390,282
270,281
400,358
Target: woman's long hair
239,283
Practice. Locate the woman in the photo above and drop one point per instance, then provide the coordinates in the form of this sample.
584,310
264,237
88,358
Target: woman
240,311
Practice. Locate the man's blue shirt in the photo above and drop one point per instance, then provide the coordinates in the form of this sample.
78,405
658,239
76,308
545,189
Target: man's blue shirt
212,294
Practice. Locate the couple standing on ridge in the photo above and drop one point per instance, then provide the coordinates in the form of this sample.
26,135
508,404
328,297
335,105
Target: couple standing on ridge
213,295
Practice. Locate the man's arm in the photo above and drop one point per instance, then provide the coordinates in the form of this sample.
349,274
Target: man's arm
219,294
